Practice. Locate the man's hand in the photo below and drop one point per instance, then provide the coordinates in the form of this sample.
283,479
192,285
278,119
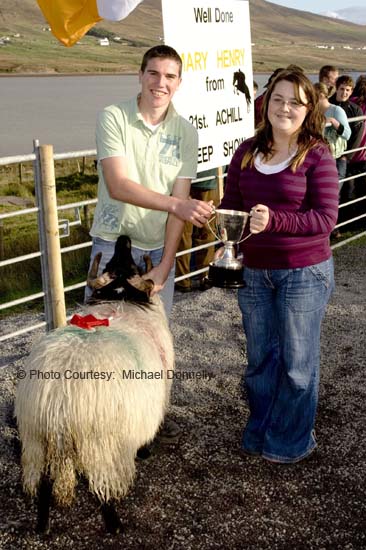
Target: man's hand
158,275
259,218
194,211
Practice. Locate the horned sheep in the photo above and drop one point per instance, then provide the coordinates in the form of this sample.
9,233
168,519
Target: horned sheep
92,398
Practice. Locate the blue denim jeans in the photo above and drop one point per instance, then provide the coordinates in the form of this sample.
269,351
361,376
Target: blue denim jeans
282,311
342,170
107,249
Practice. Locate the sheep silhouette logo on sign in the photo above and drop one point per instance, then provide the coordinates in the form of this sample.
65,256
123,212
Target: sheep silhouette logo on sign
241,86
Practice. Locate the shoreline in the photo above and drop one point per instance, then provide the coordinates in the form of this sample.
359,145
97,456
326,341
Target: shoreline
131,73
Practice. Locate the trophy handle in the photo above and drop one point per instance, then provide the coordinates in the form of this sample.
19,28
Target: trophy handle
210,228
245,238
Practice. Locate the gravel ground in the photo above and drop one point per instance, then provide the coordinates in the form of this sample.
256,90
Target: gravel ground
199,493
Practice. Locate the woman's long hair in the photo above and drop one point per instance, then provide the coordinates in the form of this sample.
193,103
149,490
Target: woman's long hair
359,93
310,133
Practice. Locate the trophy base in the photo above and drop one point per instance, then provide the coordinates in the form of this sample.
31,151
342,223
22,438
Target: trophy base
224,277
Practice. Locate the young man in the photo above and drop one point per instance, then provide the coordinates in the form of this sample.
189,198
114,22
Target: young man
259,99
328,75
344,89
147,157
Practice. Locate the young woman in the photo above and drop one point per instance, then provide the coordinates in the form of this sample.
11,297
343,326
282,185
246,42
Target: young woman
337,134
287,179
339,130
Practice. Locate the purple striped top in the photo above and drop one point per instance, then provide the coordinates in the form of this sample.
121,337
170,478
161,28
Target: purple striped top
303,209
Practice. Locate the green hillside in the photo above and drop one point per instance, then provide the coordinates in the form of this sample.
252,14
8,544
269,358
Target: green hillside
280,36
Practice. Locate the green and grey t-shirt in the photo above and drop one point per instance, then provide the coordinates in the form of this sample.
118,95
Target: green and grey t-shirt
155,159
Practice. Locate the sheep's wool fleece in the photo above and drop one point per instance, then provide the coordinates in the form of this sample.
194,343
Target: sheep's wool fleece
93,426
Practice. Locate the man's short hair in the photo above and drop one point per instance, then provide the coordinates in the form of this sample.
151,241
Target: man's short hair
273,75
346,80
325,70
163,52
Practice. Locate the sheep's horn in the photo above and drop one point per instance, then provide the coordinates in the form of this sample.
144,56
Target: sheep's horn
144,285
148,263
97,282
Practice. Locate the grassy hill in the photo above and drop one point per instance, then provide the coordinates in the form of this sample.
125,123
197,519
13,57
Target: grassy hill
280,36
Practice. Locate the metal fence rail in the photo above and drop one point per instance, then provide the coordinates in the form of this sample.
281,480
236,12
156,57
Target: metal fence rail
77,205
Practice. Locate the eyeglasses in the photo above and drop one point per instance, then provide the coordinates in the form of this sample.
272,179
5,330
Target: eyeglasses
292,104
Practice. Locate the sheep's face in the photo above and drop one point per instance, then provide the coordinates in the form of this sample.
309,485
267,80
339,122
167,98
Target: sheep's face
121,278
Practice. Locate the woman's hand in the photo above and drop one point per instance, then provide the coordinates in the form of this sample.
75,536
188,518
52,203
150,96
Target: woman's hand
334,122
259,218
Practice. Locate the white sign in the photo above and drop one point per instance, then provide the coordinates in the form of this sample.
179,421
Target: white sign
216,94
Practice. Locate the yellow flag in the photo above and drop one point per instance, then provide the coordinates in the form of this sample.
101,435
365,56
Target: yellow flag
71,19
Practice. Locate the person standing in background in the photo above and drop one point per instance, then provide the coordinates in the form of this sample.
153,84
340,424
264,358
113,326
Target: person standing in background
260,99
357,164
337,132
205,190
344,89
328,75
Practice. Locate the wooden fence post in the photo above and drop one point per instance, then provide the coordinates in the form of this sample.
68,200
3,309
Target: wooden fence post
86,216
48,186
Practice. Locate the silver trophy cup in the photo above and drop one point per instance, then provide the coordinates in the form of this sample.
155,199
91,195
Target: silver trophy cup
227,271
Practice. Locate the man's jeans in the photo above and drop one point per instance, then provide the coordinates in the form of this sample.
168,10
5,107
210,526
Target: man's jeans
282,312
107,249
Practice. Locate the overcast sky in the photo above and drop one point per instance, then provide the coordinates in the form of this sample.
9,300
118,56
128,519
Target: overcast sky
317,6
